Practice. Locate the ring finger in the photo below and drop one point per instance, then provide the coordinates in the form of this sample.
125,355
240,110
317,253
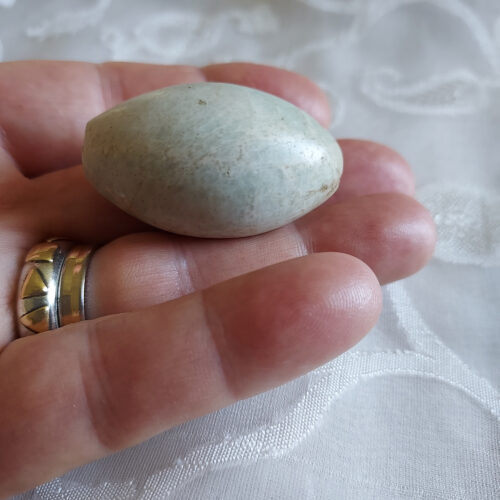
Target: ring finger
390,232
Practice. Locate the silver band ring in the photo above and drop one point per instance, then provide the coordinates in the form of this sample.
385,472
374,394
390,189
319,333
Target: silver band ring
52,286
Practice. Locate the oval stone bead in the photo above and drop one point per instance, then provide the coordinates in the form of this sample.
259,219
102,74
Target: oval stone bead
211,160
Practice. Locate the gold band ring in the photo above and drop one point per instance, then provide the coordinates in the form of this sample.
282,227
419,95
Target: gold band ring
52,286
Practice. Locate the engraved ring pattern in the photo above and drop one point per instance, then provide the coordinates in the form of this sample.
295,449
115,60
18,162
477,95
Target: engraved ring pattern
52,286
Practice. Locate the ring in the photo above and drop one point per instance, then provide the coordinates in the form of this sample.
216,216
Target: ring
52,286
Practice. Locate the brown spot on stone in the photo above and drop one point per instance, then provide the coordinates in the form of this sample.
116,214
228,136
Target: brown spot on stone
322,189
202,102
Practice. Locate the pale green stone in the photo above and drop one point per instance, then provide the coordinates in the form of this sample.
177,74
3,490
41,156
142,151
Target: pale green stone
211,160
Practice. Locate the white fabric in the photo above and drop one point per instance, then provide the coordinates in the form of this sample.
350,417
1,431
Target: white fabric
413,411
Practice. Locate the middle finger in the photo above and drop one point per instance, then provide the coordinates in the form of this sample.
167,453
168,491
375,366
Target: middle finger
64,202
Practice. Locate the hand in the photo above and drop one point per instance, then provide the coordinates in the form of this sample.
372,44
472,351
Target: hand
182,326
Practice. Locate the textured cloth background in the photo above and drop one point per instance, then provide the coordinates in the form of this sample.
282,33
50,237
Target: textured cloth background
413,411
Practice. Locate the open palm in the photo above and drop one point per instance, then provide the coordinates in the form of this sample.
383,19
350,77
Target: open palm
179,326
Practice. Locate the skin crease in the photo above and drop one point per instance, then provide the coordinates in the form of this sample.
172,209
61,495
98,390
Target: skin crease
196,324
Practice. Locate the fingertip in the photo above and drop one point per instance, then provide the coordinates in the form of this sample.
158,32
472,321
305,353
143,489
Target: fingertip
414,238
422,235
354,285
405,231
370,168
288,85
289,318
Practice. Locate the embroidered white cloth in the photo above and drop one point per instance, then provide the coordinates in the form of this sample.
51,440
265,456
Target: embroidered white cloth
413,411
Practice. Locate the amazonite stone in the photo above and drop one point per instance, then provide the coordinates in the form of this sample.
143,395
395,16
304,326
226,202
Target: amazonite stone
211,160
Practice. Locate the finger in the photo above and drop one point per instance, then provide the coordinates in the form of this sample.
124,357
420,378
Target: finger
44,105
75,395
8,167
371,168
297,89
392,233
69,205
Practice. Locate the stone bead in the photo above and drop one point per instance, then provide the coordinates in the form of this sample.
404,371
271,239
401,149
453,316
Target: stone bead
211,160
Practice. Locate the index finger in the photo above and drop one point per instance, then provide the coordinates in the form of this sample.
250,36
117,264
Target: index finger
44,105
77,394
